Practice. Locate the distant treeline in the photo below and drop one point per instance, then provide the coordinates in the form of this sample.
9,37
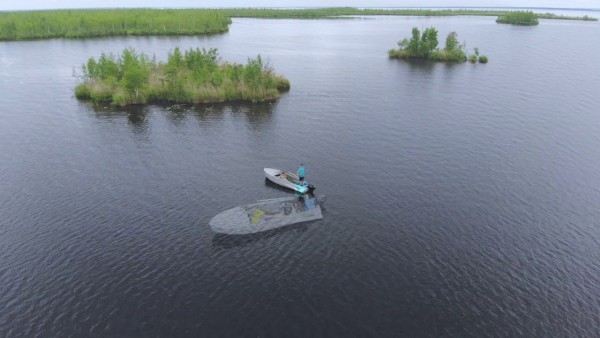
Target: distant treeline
334,12
424,46
194,76
97,23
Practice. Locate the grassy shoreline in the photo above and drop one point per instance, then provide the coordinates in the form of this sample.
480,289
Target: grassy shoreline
84,23
194,76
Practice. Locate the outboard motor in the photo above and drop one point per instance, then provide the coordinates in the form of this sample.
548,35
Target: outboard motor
310,187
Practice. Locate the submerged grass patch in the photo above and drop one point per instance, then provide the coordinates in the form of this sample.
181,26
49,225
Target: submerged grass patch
113,22
194,76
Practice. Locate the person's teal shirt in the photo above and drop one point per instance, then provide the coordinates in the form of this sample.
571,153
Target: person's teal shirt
300,171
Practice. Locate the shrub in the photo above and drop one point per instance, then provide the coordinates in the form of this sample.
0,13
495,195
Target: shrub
483,59
99,91
82,92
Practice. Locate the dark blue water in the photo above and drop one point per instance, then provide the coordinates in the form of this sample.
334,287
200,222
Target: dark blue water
461,199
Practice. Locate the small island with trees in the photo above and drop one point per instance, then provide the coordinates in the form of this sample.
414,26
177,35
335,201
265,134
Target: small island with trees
424,46
194,76
520,18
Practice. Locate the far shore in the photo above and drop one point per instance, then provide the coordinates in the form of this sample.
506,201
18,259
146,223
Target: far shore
89,23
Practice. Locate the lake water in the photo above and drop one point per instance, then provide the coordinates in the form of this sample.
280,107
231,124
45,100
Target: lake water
461,199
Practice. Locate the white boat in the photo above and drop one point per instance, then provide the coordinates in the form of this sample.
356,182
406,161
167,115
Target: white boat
287,179
267,215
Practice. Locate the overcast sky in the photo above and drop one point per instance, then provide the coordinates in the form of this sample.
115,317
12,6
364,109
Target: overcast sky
47,4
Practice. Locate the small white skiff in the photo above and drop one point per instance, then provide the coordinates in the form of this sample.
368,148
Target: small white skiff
287,179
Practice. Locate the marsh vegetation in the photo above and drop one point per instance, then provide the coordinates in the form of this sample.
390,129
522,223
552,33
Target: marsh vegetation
98,23
193,76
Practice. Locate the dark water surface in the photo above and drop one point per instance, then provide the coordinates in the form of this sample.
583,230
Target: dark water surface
462,200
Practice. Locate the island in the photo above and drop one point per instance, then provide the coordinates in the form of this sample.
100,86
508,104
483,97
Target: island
193,76
520,18
424,46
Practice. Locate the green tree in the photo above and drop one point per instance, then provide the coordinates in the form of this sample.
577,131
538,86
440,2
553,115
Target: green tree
135,71
107,68
420,45
174,62
91,69
414,44
429,42
202,63
452,41
253,71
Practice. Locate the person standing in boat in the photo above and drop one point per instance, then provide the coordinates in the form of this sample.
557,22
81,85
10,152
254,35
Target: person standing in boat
301,172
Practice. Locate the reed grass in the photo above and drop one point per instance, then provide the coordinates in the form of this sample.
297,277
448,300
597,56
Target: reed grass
194,76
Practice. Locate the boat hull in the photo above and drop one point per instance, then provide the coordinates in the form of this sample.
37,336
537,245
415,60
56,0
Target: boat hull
266,215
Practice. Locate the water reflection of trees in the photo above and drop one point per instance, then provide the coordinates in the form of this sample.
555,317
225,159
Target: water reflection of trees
207,113
256,114
421,66
137,116
426,66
